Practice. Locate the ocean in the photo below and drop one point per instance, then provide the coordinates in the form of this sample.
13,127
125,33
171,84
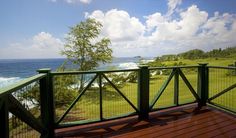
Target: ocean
13,70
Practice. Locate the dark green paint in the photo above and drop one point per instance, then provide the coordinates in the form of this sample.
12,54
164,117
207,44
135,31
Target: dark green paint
203,83
143,92
4,117
176,88
47,103
16,108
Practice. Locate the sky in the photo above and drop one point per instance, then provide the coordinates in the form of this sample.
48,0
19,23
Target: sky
149,28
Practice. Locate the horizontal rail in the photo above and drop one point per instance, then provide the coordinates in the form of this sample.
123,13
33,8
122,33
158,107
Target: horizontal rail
86,122
221,108
20,84
222,67
91,72
191,104
171,67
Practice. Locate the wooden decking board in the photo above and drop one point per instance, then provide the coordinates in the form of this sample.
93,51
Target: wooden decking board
157,128
223,131
183,129
199,129
182,123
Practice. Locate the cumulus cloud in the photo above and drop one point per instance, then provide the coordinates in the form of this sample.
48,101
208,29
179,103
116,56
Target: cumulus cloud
42,45
164,34
118,25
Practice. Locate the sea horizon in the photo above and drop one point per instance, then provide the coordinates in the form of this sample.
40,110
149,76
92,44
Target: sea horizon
14,70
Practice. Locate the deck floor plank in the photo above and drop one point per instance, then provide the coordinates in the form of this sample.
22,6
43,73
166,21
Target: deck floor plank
207,122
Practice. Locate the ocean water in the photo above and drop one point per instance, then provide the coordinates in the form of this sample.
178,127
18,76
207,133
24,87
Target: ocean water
13,70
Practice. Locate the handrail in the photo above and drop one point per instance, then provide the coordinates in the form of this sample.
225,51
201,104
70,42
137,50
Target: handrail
119,70
222,67
171,67
14,87
91,72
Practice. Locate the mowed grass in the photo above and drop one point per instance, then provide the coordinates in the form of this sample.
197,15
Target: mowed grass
210,61
114,105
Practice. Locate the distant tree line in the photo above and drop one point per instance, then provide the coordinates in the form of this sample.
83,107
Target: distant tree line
199,54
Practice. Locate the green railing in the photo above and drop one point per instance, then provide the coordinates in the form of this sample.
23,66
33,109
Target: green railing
102,97
19,114
72,98
222,88
176,86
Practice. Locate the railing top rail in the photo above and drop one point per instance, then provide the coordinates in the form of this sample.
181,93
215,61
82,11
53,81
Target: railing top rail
20,84
171,67
92,72
222,67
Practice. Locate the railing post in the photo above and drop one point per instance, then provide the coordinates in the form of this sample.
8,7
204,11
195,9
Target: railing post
100,96
143,92
4,117
203,83
47,103
176,87
235,68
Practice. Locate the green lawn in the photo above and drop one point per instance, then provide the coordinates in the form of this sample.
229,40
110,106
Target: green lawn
210,61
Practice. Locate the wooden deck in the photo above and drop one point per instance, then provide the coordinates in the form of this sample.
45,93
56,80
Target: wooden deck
177,122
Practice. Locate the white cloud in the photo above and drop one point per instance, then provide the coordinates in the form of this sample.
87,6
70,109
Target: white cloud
162,34
172,4
118,25
42,45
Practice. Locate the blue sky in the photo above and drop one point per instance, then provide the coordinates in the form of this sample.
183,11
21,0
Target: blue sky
36,28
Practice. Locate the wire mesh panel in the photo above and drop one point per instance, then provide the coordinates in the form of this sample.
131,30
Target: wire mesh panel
28,98
172,86
222,86
185,95
19,129
118,84
158,77
103,96
76,98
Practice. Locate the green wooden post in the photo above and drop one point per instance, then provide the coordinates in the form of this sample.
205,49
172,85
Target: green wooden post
47,103
143,92
203,83
100,96
4,117
235,68
176,87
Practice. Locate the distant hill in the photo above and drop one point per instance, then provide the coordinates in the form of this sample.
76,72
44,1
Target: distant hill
218,57
200,54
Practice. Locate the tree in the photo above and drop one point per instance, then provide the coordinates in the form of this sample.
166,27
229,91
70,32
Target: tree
84,50
193,54
63,93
